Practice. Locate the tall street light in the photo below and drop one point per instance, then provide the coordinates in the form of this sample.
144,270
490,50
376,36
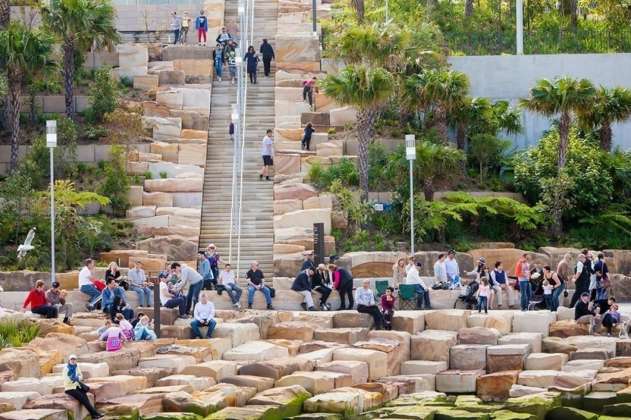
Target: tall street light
519,24
51,143
410,155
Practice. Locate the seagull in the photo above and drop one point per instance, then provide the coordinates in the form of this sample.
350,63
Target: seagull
26,246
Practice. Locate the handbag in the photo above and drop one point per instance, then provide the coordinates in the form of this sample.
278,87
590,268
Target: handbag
272,292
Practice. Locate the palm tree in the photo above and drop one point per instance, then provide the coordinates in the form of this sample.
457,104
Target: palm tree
564,97
79,25
367,89
609,106
23,52
440,92
436,162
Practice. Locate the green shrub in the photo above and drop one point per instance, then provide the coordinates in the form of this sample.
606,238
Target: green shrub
164,175
103,96
115,183
17,333
345,171
147,175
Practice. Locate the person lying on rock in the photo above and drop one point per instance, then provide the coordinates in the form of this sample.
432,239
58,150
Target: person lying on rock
77,389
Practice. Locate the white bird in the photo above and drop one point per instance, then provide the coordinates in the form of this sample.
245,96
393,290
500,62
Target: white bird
26,246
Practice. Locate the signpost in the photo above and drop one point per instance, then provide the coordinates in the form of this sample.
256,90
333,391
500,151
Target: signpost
318,243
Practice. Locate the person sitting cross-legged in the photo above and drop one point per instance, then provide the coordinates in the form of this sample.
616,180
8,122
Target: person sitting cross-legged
302,285
113,297
170,299
203,315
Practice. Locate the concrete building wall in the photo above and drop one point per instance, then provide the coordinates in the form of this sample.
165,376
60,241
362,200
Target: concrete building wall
510,77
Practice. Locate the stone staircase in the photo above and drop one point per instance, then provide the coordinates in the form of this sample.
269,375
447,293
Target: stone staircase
257,207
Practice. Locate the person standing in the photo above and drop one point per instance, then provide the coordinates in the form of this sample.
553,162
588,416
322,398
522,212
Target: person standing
308,89
36,300
343,283
306,138
186,23
214,259
366,304
218,61
251,60
75,388
553,282
422,292
203,316
169,299
228,283
201,26
57,299
387,307
224,38
302,285
230,56
191,278
267,152
256,281
267,52
484,291
322,284
522,271
139,284
581,279
398,273
204,269
176,26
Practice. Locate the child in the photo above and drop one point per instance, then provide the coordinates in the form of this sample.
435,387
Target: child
106,326
125,326
137,319
113,338
143,331
611,318
547,293
484,291
387,307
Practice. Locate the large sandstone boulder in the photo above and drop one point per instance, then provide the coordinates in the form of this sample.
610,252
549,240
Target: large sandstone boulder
22,362
295,191
288,399
467,357
256,351
568,328
506,357
297,51
458,381
451,320
276,368
545,361
478,335
432,345
377,360
357,370
532,339
292,330
496,386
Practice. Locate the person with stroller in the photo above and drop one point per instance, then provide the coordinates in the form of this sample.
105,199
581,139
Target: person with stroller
469,296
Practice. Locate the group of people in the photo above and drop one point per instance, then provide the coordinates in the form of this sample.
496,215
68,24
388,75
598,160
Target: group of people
181,24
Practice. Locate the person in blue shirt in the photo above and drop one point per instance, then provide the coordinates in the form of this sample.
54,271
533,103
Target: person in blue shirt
201,24
113,301
206,272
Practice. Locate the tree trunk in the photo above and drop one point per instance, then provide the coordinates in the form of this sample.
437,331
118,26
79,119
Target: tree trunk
358,5
365,127
605,136
5,13
461,136
468,8
14,80
564,132
428,189
68,73
440,121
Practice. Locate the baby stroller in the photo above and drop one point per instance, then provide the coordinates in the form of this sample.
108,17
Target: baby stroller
467,298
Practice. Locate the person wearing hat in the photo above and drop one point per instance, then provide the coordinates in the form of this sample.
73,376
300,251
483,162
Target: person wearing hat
57,299
77,389
422,291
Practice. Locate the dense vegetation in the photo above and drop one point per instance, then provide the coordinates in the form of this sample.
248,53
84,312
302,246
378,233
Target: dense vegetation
575,187
17,333
86,196
468,27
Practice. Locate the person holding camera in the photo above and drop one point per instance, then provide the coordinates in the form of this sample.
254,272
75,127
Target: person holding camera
203,316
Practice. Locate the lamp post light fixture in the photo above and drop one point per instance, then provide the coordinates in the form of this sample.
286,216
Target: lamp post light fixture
519,26
410,155
51,143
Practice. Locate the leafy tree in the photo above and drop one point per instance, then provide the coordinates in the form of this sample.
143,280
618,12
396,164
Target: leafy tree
23,52
564,97
103,95
367,89
609,106
79,25
486,150
439,92
116,182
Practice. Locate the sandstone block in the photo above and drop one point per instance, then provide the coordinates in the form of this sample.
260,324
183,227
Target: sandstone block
411,321
411,384
143,404
583,364
292,330
377,360
432,345
545,361
496,386
260,383
198,383
533,321
256,350
451,320
457,381
18,399
289,399
294,191
157,199
340,402
419,367
538,378
215,369
238,332
341,335
277,368
478,335
120,360
357,370
467,357
167,361
351,319
532,339
506,357
316,382
173,185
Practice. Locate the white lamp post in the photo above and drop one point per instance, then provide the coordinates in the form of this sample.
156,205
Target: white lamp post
519,24
51,143
410,155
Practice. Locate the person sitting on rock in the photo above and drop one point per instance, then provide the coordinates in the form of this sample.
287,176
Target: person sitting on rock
113,297
203,316
143,331
75,388
36,299
321,283
366,304
387,307
584,312
140,285
302,285
101,330
611,318
113,338
114,272
308,261
256,281
57,299
89,285
169,298
228,283
125,326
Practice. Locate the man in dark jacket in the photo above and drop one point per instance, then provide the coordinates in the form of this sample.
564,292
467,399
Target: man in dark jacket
308,261
586,313
268,55
343,282
302,285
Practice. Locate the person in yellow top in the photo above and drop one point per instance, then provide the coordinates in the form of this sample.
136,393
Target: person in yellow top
186,22
77,389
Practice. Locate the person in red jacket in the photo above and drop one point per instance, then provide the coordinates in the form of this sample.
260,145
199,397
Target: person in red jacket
36,299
